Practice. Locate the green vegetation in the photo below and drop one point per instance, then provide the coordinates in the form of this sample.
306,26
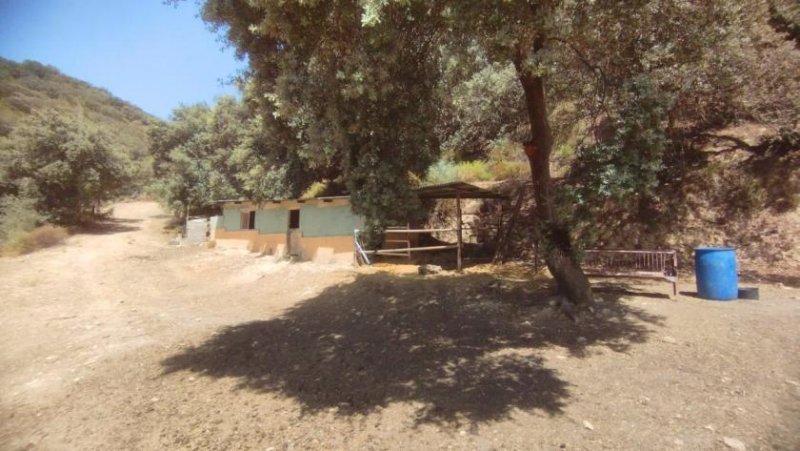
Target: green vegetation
371,94
66,147
207,154
28,88
65,169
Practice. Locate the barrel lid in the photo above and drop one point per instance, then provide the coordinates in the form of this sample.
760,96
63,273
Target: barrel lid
707,249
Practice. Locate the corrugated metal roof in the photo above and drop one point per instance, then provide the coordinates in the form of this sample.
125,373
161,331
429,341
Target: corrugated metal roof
454,190
450,190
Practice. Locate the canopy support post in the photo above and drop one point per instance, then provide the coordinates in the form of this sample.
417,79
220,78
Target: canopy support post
458,231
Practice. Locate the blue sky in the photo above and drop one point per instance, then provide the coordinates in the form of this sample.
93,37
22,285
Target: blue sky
153,55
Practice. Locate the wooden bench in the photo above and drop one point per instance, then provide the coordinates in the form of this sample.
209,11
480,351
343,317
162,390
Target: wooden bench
642,264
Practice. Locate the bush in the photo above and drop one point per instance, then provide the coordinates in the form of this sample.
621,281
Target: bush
505,170
442,171
17,214
473,171
507,161
23,242
316,189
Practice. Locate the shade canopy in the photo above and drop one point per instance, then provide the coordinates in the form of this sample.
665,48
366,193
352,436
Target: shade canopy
454,190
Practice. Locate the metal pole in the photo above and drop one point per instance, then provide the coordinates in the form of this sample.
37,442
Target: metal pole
458,231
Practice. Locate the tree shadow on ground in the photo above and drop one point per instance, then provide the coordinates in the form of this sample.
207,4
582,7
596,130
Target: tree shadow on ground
618,289
109,226
465,349
790,280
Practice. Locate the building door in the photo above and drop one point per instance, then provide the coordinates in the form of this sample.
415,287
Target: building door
294,233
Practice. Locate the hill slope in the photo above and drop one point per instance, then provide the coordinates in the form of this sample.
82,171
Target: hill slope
29,87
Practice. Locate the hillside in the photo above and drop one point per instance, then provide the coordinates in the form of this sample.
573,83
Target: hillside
28,87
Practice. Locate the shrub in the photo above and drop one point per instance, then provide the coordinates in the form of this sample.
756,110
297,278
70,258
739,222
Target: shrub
504,170
17,214
473,171
442,171
745,195
23,242
316,189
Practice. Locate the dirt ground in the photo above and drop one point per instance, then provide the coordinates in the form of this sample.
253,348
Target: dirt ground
118,340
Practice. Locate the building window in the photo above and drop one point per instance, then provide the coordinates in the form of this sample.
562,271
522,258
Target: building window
294,219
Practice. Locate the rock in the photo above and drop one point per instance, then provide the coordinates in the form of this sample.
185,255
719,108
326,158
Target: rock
598,300
429,269
668,339
678,442
733,443
462,432
709,427
588,425
582,340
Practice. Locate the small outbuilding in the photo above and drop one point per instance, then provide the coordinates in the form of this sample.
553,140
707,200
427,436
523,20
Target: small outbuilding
319,229
323,229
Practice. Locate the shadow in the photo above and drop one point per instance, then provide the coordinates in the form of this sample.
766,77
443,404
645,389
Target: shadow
465,349
625,289
109,226
788,280
691,294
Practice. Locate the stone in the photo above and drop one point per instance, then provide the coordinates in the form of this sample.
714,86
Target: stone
733,443
588,425
582,340
668,339
429,269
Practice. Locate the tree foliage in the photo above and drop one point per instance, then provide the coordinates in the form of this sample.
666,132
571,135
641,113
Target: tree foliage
372,91
352,100
205,154
65,165
30,88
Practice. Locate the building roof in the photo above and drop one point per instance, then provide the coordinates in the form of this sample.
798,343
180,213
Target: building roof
452,190
455,190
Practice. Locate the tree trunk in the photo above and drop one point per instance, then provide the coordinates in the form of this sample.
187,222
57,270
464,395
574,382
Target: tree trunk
558,253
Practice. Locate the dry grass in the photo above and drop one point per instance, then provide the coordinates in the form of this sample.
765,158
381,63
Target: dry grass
38,238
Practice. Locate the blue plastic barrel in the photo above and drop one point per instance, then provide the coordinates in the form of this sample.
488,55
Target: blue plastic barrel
715,268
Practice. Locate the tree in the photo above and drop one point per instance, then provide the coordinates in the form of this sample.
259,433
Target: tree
65,165
356,81
205,154
358,102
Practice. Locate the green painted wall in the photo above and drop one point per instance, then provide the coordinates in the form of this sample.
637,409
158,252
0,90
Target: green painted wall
314,220
231,218
274,220
328,221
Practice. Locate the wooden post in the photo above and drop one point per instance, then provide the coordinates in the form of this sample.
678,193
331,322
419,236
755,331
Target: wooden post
458,230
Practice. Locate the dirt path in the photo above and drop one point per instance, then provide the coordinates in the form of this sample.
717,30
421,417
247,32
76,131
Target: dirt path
117,340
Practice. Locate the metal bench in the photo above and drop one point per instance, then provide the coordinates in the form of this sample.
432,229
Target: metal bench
642,264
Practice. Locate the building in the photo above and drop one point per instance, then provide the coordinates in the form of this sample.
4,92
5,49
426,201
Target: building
319,229
322,228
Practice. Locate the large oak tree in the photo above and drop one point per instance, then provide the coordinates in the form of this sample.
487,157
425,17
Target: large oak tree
355,81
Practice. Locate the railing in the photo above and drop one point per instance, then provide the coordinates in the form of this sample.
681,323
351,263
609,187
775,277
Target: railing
359,248
624,263
398,252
